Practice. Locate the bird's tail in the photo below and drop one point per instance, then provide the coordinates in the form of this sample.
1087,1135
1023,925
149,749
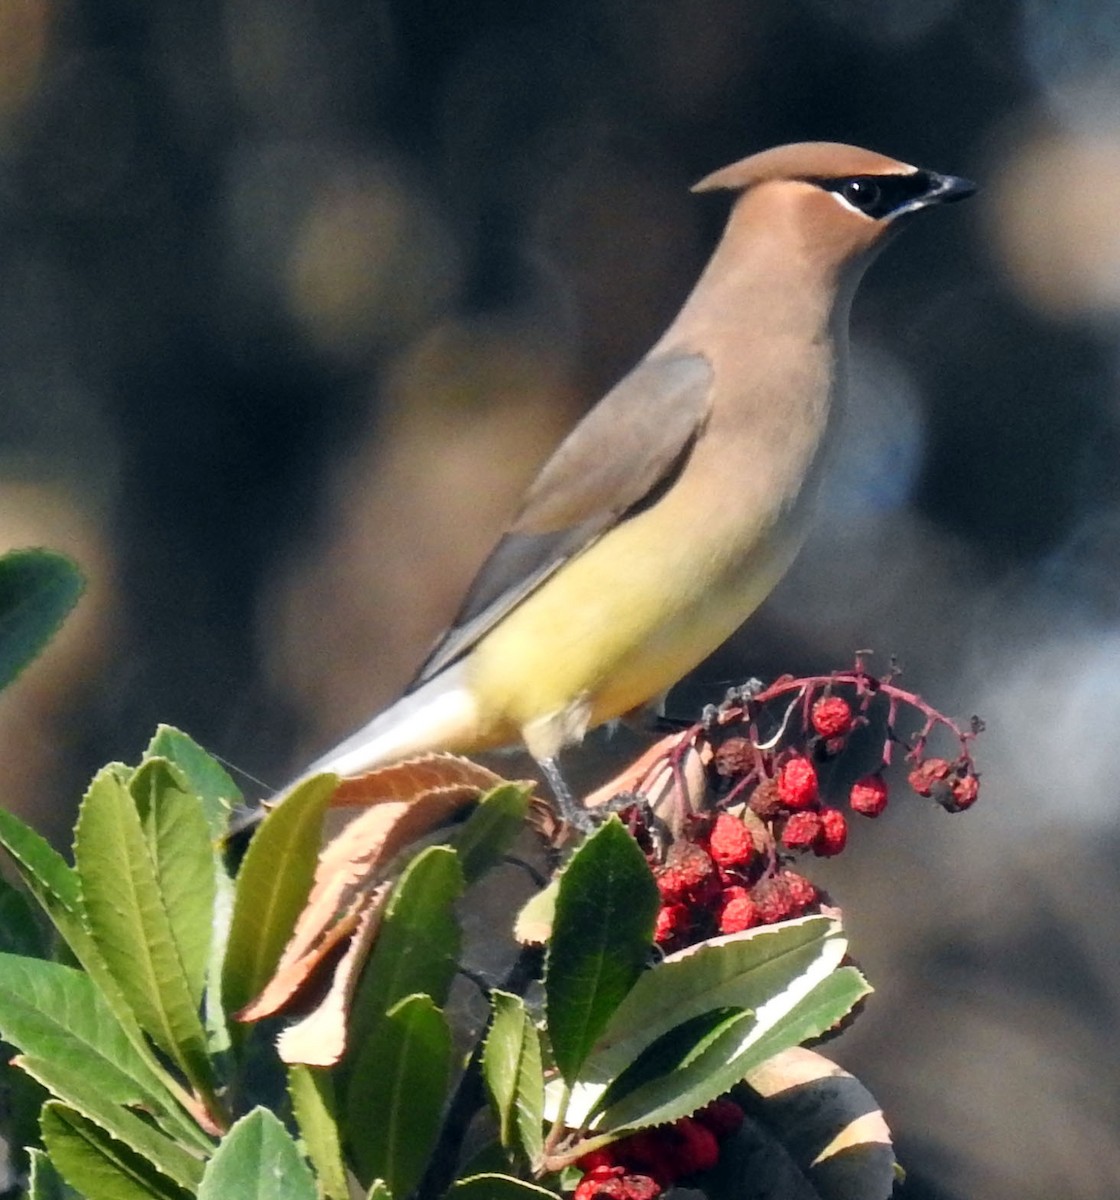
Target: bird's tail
439,715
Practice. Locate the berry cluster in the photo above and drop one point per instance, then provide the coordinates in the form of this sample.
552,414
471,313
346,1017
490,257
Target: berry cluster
645,1164
726,865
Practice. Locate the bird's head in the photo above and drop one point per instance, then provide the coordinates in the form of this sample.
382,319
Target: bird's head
833,202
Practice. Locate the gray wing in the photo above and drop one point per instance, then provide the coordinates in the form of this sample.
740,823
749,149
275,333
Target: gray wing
618,460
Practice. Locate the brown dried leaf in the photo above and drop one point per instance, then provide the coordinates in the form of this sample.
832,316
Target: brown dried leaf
405,802
413,777
319,1039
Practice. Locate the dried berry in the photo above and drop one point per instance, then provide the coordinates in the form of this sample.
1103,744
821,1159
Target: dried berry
831,716
802,893
688,876
730,843
926,774
735,756
963,790
868,795
797,783
833,836
772,900
801,831
692,1147
765,802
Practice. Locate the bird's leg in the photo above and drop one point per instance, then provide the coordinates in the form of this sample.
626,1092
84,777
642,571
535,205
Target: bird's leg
571,811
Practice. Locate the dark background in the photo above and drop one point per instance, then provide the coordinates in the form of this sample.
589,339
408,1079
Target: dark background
295,298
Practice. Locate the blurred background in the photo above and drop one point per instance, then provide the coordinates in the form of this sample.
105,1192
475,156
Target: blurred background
294,299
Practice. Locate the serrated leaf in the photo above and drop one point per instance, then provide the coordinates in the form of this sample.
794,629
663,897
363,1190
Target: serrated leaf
257,1160
44,1182
313,1103
397,1090
37,590
181,853
511,1066
49,878
55,1013
271,889
534,921
204,775
671,1052
716,1063
601,940
749,971
491,829
824,1007
498,1187
81,1095
22,928
417,947
130,924
98,1166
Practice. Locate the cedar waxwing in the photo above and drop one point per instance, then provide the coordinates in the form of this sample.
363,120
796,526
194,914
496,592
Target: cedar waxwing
674,507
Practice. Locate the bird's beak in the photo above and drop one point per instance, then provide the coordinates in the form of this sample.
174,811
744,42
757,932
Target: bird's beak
946,188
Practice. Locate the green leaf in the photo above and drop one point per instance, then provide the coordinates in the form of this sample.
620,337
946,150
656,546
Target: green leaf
44,1182
98,1166
131,926
715,1063
815,1013
498,1187
601,940
257,1160
204,775
765,970
272,888
49,878
397,1090
56,1013
22,928
511,1066
489,832
418,943
37,590
671,1052
313,1102
180,850
170,1159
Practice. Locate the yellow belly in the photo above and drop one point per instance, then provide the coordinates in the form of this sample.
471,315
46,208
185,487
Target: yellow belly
622,622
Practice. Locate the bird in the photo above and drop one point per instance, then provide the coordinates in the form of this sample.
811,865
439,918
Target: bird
676,504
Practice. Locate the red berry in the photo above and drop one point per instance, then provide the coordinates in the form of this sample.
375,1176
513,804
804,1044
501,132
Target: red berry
833,836
672,921
692,1147
738,912
831,716
797,783
802,893
801,831
603,1157
926,774
648,1152
868,795
730,842
723,1116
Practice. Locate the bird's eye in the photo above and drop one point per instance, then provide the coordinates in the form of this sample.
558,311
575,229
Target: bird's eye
863,194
